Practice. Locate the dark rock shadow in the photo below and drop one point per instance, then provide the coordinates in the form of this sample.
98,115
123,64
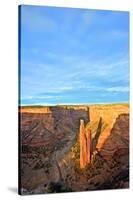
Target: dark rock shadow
115,152
119,132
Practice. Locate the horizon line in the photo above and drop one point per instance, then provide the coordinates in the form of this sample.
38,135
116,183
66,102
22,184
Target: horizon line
65,104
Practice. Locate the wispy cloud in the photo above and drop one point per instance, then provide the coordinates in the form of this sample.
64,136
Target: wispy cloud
82,75
74,55
118,89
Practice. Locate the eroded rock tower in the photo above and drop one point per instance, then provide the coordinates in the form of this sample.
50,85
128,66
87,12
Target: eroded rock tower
85,145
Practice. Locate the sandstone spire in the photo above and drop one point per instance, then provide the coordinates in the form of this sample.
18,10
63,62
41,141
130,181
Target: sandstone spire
85,145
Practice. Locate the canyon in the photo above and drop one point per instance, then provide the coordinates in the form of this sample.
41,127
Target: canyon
73,148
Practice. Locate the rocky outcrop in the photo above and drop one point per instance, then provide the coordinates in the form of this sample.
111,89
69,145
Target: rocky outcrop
109,168
51,148
46,136
85,145
117,143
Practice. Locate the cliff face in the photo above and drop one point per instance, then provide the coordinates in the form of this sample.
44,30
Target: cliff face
94,134
46,136
48,125
85,145
53,152
109,168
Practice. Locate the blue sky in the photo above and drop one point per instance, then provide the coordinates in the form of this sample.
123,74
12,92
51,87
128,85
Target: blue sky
71,56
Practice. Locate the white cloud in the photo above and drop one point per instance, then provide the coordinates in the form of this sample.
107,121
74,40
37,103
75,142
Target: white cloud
117,89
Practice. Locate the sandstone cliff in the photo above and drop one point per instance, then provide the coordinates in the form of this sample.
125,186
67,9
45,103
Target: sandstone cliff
50,148
47,135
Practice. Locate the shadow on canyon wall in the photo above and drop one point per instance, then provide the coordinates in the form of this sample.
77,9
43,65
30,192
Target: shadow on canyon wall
96,138
115,153
119,134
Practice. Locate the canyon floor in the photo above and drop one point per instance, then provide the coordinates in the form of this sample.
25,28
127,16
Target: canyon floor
50,148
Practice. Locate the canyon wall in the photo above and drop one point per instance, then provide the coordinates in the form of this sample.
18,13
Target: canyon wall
46,137
50,147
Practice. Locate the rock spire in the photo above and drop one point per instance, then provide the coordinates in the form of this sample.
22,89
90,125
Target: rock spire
85,145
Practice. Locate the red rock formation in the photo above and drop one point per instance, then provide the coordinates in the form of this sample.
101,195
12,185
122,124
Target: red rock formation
85,145
88,137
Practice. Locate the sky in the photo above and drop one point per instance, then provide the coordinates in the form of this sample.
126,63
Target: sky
73,56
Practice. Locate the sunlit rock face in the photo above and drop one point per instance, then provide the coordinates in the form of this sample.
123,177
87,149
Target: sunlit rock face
85,145
109,167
